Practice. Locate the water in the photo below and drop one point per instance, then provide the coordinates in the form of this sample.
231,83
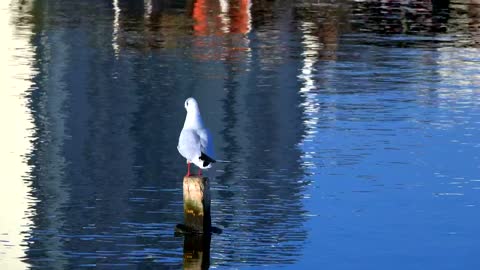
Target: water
352,129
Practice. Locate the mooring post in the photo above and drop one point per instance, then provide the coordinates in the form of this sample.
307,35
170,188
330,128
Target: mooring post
197,228
196,205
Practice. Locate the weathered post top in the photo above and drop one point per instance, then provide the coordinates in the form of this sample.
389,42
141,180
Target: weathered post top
196,205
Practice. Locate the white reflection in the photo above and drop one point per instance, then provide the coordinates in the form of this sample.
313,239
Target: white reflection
236,18
116,27
224,8
148,8
248,29
16,63
310,45
249,15
459,71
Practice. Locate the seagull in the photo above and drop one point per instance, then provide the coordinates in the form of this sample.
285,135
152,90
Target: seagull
194,142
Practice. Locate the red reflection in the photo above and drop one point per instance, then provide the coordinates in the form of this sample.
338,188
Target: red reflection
240,17
221,26
208,14
206,22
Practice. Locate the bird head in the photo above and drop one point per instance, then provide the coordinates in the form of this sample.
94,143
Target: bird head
191,105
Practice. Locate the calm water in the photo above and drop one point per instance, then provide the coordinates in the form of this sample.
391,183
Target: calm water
352,128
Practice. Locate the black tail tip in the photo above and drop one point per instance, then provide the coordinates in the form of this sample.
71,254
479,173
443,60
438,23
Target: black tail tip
206,159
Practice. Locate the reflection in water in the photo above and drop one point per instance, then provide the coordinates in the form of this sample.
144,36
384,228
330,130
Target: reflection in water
263,127
116,26
298,95
221,30
17,69
409,17
434,22
106,179
48,100
196,252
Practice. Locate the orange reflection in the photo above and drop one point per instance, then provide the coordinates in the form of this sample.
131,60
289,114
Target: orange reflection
206,19
207,15
240,15
220,27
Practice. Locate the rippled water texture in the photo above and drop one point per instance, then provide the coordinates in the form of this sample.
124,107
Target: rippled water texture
352,129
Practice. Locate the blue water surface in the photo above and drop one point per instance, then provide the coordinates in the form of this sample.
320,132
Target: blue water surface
349,131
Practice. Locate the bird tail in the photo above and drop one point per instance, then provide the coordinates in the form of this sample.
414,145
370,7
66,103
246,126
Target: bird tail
206,160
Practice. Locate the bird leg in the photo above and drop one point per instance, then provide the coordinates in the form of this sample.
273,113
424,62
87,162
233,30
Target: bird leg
188,169
199,171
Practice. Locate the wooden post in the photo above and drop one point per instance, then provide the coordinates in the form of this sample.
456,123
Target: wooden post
196,204
198,223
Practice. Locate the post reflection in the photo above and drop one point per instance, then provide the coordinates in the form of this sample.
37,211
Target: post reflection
196,251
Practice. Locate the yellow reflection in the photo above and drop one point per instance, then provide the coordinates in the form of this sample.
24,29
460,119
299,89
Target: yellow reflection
16,72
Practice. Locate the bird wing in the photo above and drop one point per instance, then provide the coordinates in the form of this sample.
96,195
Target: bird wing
189,144
205,141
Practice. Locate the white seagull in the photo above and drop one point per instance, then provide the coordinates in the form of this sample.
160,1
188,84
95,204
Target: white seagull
194,142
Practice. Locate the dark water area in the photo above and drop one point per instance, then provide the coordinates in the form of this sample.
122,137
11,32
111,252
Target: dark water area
350,129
